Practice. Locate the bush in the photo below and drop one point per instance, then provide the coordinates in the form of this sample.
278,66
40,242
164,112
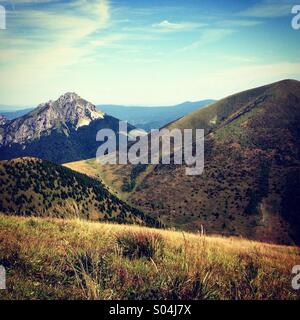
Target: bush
141,244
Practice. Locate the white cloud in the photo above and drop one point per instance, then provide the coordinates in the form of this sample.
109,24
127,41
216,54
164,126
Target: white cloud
269,9
165,25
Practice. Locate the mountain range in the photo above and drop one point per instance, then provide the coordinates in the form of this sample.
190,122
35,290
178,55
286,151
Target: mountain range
251,181
145,118
148,118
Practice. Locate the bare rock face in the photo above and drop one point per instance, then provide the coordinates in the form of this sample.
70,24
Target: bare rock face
3,120
59,131
68,112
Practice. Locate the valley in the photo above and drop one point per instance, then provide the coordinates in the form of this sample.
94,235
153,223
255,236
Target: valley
251,164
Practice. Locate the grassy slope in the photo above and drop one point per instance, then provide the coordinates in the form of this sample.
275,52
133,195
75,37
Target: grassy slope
251,162
71,259
213,115
33,187
114,177
111,175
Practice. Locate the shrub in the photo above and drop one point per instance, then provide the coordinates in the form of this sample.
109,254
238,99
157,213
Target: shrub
141,244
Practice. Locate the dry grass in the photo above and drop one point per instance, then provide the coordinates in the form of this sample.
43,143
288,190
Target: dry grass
75,259
111,175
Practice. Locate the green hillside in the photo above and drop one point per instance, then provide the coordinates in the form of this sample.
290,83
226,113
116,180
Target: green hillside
250,185
32,187
215,114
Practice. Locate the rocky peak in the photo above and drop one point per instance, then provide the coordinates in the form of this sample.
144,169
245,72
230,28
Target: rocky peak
69,97
68,112
71,109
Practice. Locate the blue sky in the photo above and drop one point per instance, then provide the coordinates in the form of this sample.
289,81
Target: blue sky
144,52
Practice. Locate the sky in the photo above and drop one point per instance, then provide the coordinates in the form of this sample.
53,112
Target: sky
144,52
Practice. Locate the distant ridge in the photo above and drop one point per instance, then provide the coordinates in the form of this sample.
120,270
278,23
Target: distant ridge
148,118
143,117
11,115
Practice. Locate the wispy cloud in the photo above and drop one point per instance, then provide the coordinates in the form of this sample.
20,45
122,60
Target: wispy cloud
61,32
269,9
165,25
209,36
233,23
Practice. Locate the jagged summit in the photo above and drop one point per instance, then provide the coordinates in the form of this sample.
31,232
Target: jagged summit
72,95
68,112
60,131
71,108
69,97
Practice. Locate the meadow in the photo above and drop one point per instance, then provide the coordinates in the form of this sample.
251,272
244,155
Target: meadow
48,258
